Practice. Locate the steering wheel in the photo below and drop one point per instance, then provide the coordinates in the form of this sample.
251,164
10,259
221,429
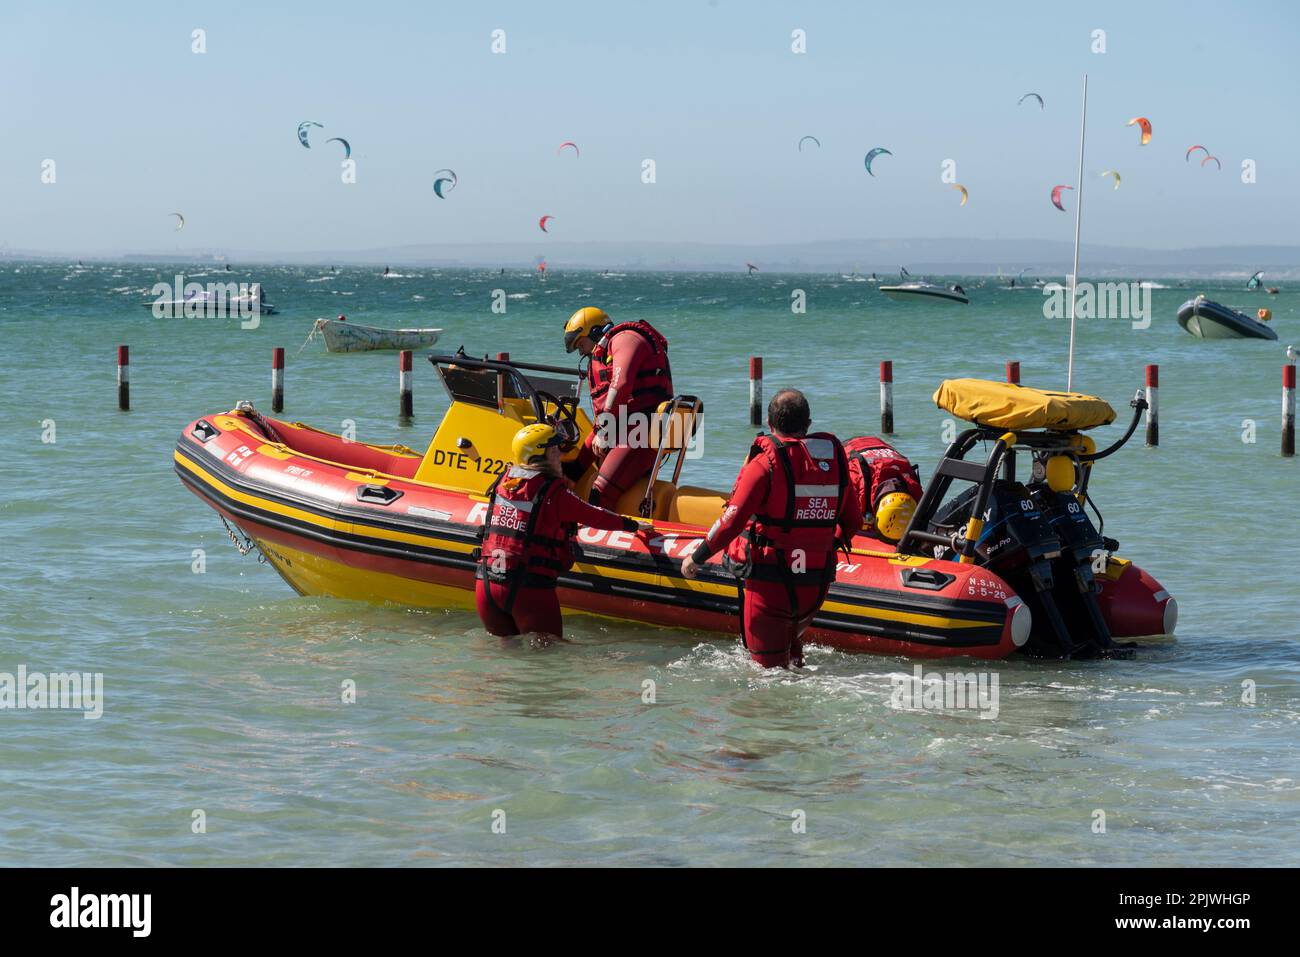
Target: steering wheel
564,419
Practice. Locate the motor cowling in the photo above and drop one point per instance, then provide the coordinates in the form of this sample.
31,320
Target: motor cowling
1083,556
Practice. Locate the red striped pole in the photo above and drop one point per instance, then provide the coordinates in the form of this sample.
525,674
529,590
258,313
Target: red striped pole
277,379
1013,373
405,403
1153,405
1288,409
886,398
756,390
124,378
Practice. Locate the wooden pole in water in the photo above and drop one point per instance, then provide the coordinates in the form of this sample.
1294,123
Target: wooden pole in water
405,403
1013,373
756,390
124,378
277,379
1288,409
886,398
1153,405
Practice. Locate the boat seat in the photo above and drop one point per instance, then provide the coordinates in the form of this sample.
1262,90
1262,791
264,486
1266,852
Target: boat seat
695,506
629,503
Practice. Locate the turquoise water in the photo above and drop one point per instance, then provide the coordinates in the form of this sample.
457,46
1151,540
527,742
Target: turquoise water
222,689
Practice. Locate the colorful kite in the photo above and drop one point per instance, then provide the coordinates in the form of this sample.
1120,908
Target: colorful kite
872,154
302,131
1144,125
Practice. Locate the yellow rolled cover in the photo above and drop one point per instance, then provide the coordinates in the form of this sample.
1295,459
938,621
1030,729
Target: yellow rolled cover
1003,405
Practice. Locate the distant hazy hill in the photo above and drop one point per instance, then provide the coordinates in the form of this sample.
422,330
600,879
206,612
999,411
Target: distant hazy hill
883,256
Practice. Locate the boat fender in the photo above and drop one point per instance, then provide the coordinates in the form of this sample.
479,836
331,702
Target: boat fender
1060,473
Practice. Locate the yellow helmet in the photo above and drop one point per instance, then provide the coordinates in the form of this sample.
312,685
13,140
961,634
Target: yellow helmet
583,323
893,513
531,442
1060,473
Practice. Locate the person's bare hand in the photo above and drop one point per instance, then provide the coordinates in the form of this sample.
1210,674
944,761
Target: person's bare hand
689,567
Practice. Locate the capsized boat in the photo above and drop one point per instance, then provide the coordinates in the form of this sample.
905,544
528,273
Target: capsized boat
386,523
904,292
343,336
1210,320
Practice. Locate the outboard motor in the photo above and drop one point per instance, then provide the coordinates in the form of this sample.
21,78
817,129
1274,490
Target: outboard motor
1082,548
1020,546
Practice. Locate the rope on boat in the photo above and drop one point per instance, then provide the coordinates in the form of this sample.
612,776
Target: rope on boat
244,547
246,408
315,328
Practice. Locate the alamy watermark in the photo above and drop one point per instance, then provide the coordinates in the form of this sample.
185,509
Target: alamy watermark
650,430
1130,301
952,691
213,300
56,691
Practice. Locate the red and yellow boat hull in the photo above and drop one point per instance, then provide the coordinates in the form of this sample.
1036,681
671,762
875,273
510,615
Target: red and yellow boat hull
369,531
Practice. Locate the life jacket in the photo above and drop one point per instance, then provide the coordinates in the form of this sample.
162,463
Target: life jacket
809,478
522,544
876,469
652,382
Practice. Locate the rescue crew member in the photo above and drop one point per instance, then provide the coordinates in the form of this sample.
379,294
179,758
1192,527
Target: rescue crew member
884,484
792,506
527,538
629,376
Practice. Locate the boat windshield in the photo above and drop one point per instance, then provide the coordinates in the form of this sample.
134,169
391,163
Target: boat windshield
478,386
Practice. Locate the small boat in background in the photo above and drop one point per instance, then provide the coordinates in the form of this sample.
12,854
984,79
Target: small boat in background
925,290
1210,320
343,336
219,301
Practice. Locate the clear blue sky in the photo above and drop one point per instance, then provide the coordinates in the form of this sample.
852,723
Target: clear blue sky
140,126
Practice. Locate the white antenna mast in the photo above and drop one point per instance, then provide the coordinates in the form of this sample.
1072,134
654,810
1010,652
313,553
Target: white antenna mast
1078,218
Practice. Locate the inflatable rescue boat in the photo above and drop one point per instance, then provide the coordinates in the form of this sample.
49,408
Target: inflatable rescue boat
1005,565
1206,319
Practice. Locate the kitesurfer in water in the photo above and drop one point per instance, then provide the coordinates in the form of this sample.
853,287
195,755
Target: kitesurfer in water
629,378
792,506
532,518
